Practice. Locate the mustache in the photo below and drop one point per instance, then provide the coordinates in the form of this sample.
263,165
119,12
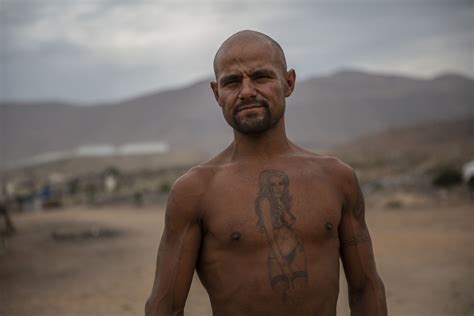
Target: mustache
249,102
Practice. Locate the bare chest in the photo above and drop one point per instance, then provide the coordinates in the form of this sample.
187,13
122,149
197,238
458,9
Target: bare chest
243,212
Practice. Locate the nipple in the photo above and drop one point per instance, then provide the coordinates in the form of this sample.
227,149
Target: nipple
328,226
235,236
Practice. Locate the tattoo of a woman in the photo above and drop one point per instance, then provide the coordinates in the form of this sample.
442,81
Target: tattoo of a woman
286,255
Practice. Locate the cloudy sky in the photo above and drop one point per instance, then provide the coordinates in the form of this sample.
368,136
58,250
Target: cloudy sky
90,51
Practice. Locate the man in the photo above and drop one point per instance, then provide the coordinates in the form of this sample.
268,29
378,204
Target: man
265,222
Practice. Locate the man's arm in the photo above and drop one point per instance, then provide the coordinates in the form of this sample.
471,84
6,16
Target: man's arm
178,250
366,290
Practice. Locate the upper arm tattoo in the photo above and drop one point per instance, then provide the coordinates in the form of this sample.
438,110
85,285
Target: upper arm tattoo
357,213
354,241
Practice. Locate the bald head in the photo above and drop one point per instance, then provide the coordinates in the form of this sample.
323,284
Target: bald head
247,37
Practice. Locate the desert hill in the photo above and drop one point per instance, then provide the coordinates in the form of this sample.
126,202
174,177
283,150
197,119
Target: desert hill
322,112
410,154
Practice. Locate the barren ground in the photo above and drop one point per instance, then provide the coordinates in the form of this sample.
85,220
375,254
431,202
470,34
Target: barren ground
424,255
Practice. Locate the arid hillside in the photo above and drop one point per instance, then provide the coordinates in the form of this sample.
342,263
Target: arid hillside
417,151
322,112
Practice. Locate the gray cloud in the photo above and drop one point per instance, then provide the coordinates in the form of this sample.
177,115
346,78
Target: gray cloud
86,51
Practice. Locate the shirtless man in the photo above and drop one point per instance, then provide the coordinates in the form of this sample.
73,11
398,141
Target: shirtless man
265,222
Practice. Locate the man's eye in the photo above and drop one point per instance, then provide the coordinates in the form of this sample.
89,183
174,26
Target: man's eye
230,83
261,77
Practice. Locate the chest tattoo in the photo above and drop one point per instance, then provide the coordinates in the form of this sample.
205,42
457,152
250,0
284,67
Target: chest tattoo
287,268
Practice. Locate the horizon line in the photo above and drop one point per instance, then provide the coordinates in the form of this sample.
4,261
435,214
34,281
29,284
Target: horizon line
133,96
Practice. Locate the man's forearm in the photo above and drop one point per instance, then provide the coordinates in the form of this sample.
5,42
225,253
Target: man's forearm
155,307
369,300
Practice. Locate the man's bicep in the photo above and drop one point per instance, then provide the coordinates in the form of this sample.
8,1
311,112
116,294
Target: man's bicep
366,289
179,248
353,229
177,253
355,243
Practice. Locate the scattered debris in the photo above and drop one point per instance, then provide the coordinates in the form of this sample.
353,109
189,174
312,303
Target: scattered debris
394,204
84,234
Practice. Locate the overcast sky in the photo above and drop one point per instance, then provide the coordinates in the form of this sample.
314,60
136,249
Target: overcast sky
106,50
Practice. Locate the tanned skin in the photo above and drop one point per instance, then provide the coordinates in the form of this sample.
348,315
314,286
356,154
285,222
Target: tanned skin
265,222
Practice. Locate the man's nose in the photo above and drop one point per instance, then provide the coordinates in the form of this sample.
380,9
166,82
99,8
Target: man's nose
247,89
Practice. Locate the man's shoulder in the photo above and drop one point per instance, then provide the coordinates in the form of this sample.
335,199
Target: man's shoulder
336,171
327,163
186,193
194,180
333,171
198,178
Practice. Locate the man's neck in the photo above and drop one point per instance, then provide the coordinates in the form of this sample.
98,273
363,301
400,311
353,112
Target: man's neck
263,146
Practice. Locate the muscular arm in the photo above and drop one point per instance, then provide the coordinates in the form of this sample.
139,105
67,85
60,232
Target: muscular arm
177,252
366,290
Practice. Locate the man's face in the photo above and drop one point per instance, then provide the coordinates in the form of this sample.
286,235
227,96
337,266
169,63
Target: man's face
251,86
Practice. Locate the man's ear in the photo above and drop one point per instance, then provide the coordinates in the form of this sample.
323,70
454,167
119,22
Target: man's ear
215,90
290,82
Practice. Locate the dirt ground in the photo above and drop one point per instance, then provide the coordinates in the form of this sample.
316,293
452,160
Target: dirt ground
424,255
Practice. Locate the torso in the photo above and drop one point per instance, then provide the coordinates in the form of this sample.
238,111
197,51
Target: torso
236,264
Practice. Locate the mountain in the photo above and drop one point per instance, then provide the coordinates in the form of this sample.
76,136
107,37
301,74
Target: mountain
411,151
322,112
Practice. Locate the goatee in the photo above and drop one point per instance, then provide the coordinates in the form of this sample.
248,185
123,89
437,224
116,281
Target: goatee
253,123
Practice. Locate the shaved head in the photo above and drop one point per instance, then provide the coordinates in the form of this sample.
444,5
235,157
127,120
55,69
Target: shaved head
242,38
252,82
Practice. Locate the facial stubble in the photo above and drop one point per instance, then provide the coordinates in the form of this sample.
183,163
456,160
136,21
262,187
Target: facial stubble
252,123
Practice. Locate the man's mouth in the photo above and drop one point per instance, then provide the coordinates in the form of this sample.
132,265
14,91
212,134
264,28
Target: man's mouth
247,107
